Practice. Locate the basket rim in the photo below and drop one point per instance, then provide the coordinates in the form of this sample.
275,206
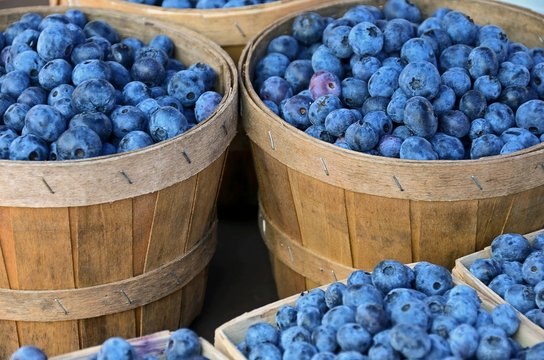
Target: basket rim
222,120
295,136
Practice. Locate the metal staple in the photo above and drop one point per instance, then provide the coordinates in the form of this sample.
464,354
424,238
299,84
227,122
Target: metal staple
124,293
48,186
186,156
126,177
61,306
324,166
477,182
397,182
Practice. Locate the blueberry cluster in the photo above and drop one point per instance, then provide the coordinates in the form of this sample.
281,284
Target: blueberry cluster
387,82
200,4
394,313
515,272
73,89
183,344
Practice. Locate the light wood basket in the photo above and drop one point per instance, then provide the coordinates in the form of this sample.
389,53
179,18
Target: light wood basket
116,245
231,28
234,331
148,345
461,271
326,210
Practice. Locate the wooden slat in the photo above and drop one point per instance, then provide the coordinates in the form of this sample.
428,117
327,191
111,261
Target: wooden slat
168,238
527,213
278,204
288,282
8,329
443,231
104,253
143,208
493,215
44,262
379,229
8,247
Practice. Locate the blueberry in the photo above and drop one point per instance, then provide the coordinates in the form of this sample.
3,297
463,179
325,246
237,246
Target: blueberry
134,140
435,305
14,83
489,86
372,317
5,102
529,116
390,274
135,92
460,28
64,106
55,42
395,108
383,82
88,50
94,95
295,111
28,352
362,67
273,64
55,73
418,49
479,127
350,355
360,13
411,341
102,29
134,43
510,247
265,351
79,142
514,96
164,43
183,343
275,89
485,269
493,347
447,147
454,123
324,339
324,83
45,122
438,38
420,78
324,356
148,70
463,341
505,317
324,60
76,17
53,19
308,28
465,292
482,61
538,242
165,123
7,136
413,312
32,19
443,325
353,337
432,279
289,336
473,104
366,38
99,122
402,132
338,121
417,148
375,103
299,351
537,79
536,352
320,108
403,9
286,317
389,146
91,70
186,86
354,92
29,62
14,117
309,317
521,297
361,137
419,117
298,74
513,75
522,58
119,75
454,56
107,149
501,283
483,319
262,333
359,277
461,309
532,270
319,132
457,79
122,54
336,39
523,136
201,4
431,23
206,104
486,145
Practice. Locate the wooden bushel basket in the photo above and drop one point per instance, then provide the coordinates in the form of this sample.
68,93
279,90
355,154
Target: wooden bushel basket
116,245
231,28
326,210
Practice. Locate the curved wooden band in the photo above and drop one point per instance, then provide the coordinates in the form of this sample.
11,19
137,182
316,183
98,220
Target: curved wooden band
376,175
300,259
43,184
128,294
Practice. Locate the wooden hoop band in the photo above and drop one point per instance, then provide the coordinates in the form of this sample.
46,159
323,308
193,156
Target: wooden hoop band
297,257
44,184
116,297
375,175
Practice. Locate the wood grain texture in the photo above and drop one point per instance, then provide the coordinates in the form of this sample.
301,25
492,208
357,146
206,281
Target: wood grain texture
235,26
379,229
81,183
8,329
288,281
493,215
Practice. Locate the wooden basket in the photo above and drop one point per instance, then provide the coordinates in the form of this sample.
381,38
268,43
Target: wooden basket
461,271
345,209
233,332
149,345
231,28
116,245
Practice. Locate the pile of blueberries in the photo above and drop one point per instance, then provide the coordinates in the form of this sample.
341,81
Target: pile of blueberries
394,313
200,4
515,272
73,89
387,82
183,344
